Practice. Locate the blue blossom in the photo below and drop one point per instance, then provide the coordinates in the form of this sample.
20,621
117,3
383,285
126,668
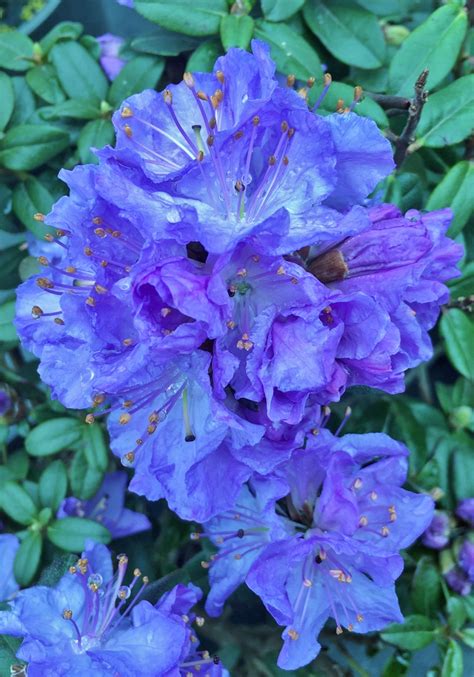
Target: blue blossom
9,545
326,544
465,510
438,533
109,59
86,624
107,507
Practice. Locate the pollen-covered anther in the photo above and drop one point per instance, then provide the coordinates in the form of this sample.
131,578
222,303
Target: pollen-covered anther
200,156
285,160
255,120
137,573
272,160
188,79
357,483
281,271
129,457
216,98
310,81
128,131
168,97
98,399
315,431
43,260
220,76
290,80
374,495
67,614
48,237
100,232
90,419
294,280
90,300
153,417
36,311
284,126
238,135
213,123
127,341
242,272
72,570
339,630
239,186
357,93
293,634
360,618
210,140
126,112
340,106
363,521
100,289
202,95
97,220
151,428
244,343
88,251
385,531
58,320
124,418
231,324
38,216
200,621
164,312
44,283
303,93
307,583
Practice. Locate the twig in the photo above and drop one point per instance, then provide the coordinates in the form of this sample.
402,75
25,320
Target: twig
386,101
407,136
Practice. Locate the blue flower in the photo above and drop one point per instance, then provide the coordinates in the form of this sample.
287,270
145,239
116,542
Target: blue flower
9,545
326,544
107,507
86,625
438,533
109,59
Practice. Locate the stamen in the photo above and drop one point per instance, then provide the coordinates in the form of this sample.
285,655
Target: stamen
320,99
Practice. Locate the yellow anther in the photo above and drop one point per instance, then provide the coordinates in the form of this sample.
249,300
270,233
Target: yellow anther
293,634
360,618
290,80
128,131
188,79
385,531
127,342
281,271
90,419
126,112
151,428
202,95
129,457
164,312
339,630
43,260
38,216
124,418
97,220
374,495
36,311
44,283
200,621
255,120
90,301
168,97
357,483
310,82
67,614
100,289
231,324
363,521
220,77
57,320
137,573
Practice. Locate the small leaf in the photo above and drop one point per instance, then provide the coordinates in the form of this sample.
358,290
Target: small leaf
447,115
201,17
10,259
16,51
95,448
351,34
7,97
79,109
142,72
71,533
8,647
66,30
85,479
44,83
415,633
53,485
53,436
24,102
77,71
28,558
467,636
457,613
463,469
280,10
456,190
95,134
458,332
27,147
435,45
291,53
17,503
204,57
426,587
164,43
453,661
7,314
236,31
29,198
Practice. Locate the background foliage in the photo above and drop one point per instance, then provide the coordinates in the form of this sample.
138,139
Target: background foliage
56,103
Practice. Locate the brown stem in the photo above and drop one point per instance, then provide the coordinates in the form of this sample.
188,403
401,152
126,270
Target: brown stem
407,136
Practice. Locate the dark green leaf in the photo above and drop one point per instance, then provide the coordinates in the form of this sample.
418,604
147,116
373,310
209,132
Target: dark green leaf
434,45
17,503
426,587
66,30
7,97
29,198
463,470
8,648
95,134
53,573
458,332
453,661
95,447
85,479
77,71
291,52
10,259
467,636
7,330
53,485
28,558
456,190
71,533
27,147
236,31
415,633
142,72
80,109
204,57
464,285
202,17
24,102
351,34
16,51
44,83
410,431
279,10
164,43
457,613
53,436
447,116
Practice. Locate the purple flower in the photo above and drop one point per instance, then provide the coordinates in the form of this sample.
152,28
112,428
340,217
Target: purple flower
465,510
5,402
458,581
329,547
107,507
126,3
9,545
466,559
438,533
109,59
86,625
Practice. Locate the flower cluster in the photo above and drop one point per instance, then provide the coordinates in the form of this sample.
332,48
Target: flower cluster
91,622
222,277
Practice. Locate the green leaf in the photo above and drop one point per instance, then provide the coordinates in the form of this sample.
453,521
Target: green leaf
7,97
27,147
28,558
453,661
163,43
142,72
463,470
411,432
435,44
71,533
44,83
80,109
17,503
339,90
10,259
351,34
447,116
458,332
426,587
16,51
95,447
77,71
201,17
66,30
24,102
456,190
236,30
95,134
7,314
415,633
457,613
204,57
53,485
85,479
280,10
467,636
29,198
8,648
291,52
53,436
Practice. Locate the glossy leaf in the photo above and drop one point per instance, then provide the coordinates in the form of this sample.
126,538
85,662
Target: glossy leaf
415,633
236,31
7,97
458,331
292,53
453,665
44,82
456,190
79,74
279,10
28,558
26,147
16,51
142,72
53,485
95,134
71,533
52,436
201,17
17,503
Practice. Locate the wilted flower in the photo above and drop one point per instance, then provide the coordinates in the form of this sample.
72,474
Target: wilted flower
109,58
107,507
9,545
326,544
86,624
438,533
